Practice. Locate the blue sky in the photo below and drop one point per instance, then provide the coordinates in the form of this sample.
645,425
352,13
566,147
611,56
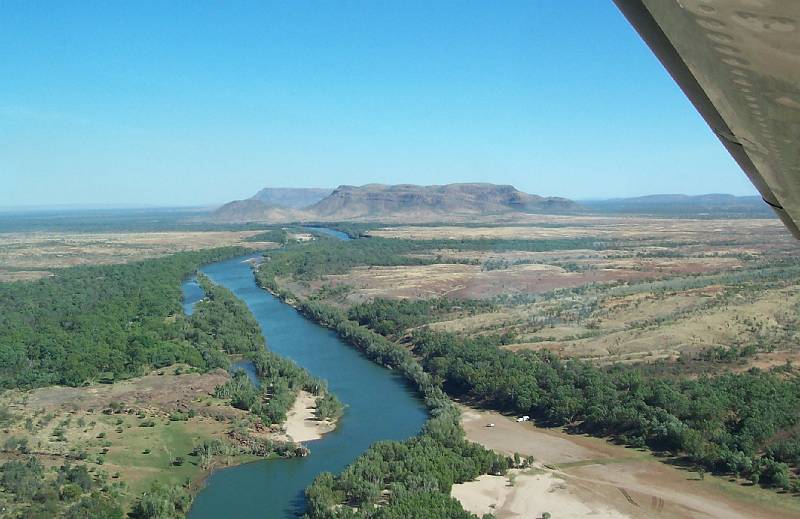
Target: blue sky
183,103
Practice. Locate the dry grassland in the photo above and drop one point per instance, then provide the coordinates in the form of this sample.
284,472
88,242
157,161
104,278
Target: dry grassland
26,256
641,301
535,227
474,282
128,430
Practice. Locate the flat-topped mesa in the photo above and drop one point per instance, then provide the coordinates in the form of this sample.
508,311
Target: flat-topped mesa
291,197
252,210
401,202
379,200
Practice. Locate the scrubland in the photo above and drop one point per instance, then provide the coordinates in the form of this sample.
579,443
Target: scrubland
675,338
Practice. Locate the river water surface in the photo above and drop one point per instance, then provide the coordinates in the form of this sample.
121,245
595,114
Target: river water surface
379,406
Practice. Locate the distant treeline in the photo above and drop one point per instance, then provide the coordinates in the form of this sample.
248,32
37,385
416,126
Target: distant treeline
115,220
676,206
312,260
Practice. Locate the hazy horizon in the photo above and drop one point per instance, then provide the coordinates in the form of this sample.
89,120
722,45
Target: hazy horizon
134,206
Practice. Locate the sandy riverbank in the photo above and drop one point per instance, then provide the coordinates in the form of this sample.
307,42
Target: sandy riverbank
580,476
301,424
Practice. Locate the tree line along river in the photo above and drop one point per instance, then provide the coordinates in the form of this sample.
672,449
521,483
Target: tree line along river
379,405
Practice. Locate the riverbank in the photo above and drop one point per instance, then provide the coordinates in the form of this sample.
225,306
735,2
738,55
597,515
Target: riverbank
576,475
302,424
389,410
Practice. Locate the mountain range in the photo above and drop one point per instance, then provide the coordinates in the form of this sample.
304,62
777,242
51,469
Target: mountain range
416,204
406,202
291,197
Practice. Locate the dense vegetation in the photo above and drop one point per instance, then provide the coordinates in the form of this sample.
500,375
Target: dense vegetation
162,502
280,380
272,235
109,322
105,323
390,317
68,492
723,423
735,423
221,322
311,261
352,229
400,476
417,474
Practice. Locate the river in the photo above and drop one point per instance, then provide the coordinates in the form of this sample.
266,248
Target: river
379,406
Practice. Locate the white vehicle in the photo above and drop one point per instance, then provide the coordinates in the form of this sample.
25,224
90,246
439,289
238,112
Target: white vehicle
490,425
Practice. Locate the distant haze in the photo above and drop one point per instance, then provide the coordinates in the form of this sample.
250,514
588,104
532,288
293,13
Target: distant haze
296,198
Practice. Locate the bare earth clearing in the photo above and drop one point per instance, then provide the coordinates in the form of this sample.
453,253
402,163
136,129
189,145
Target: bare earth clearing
579,476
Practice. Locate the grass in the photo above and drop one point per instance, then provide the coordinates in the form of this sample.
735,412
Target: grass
752,493
59,424
166,441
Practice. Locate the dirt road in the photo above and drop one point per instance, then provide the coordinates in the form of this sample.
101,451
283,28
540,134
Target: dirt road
579,476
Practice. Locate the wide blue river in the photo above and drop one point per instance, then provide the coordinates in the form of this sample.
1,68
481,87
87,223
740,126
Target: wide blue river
379,406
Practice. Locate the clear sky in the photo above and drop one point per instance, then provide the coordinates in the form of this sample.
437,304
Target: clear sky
184,103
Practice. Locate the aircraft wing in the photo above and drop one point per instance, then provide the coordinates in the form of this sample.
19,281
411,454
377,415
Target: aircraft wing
738,61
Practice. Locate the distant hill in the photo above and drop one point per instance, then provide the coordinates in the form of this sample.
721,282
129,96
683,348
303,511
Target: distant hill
404,202
426,202
271,204
251,210
673,205
292,197
414,203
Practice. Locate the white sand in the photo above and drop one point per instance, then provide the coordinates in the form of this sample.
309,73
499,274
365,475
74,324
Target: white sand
528,494
301,424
